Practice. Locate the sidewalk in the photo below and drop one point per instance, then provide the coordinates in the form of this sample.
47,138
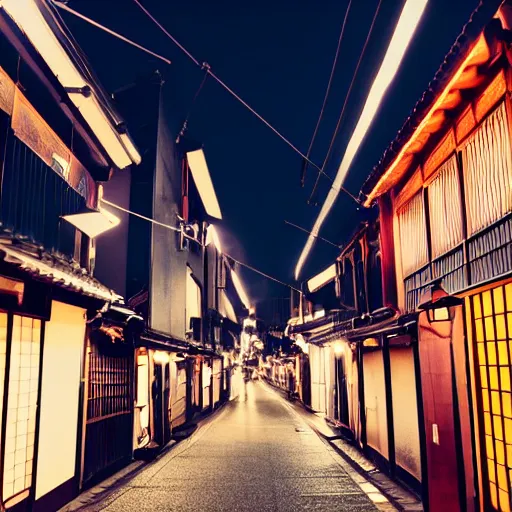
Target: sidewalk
95,498
256,454
400,497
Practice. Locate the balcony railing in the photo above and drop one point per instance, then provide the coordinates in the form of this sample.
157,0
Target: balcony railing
33,199
485,256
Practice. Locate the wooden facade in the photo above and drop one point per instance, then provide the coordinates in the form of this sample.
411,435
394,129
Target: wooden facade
446,191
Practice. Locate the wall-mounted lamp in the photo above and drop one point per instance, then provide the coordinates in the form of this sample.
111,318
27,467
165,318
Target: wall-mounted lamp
161,357
371,342
438,304
338,348
180,356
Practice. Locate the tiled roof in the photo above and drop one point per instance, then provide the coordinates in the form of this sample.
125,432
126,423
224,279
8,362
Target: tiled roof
476,24
55,270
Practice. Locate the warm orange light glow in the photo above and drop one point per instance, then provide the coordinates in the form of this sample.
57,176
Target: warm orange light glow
479,54
161,357
338,348
371,342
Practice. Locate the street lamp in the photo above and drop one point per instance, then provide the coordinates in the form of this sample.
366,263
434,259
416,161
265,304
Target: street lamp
438,305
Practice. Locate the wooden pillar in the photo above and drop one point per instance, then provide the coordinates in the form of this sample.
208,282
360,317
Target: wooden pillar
389,293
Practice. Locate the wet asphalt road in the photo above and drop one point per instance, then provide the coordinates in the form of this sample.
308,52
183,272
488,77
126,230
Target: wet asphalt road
256,455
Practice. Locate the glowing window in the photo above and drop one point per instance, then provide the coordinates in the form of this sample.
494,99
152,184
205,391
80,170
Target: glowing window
21,405
492,335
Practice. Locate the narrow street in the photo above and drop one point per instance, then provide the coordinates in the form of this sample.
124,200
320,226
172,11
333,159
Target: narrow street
256,454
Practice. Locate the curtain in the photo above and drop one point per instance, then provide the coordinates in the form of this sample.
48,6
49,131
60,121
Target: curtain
445,209
413,234
487,165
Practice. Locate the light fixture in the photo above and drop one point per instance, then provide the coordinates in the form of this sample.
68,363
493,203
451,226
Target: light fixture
338,348
404,30
240,290
29,18
323,278
440,310
161,357
213,236
202,179
93,223
103,129
371,342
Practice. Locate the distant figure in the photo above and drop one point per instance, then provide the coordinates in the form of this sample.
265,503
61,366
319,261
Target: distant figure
291,381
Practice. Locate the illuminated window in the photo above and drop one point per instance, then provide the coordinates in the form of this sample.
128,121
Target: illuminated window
21,404
492,334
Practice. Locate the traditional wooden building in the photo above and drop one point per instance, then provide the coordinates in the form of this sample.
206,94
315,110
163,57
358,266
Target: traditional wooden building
356,354
172,267
59,137
444,190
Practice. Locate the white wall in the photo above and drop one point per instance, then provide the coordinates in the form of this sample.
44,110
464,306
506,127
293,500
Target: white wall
63,345
317,367
405,411
375,402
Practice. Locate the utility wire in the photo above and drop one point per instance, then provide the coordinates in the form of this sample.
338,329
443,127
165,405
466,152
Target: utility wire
263,274
310,233
168,34
207,68
64,7
172,228
345,103
185,123
327,91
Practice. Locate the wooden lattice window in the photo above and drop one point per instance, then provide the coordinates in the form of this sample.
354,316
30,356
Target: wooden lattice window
109,384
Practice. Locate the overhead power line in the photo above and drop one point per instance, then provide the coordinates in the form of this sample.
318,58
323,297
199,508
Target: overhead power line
64,7
204,66
345,103
326,96
310,233
173,228
263,274
208,69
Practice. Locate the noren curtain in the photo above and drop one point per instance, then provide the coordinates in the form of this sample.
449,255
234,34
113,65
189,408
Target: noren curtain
487,165
413,234
445,209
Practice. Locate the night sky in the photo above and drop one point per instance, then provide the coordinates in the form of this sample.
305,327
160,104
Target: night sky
277,56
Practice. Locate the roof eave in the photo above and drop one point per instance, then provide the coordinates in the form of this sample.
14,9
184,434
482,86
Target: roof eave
459,71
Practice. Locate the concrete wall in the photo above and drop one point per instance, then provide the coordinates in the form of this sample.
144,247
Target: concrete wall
168,263
112,246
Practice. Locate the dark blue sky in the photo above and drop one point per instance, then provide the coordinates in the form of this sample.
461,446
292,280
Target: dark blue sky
277,56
